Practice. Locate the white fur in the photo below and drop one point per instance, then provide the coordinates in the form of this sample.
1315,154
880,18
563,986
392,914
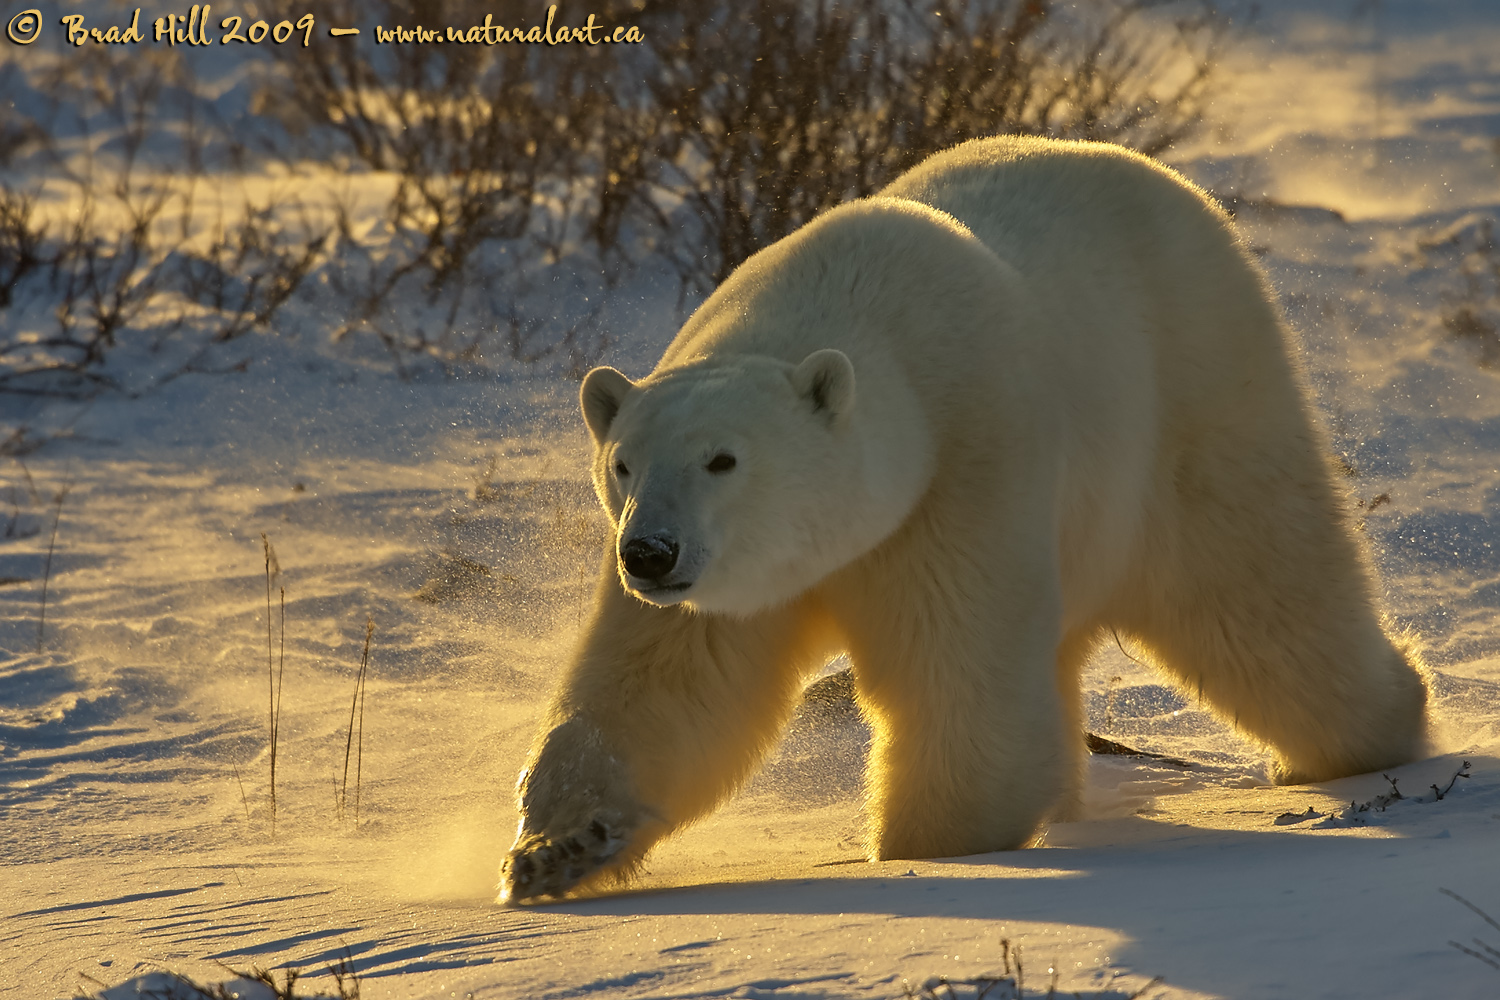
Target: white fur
1032,391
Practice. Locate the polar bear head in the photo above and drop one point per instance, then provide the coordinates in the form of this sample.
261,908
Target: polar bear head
731,482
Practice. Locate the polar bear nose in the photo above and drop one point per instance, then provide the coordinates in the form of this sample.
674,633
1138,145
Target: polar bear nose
649,558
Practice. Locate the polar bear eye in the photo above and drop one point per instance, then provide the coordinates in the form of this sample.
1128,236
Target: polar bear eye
722,462
620,470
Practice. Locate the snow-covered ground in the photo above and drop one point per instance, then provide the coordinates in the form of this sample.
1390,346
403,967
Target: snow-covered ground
1362,143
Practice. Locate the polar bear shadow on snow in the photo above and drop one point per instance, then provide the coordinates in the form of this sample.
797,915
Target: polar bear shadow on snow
1031,393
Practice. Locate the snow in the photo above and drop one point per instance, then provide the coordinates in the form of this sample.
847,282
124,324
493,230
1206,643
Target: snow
134,811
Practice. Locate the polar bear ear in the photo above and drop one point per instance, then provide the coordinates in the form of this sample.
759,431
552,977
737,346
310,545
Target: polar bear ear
604,389
826,380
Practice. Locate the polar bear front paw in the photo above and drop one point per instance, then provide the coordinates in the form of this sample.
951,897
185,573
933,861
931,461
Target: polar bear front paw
542,865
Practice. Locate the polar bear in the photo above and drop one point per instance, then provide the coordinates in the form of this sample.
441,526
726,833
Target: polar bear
1030,392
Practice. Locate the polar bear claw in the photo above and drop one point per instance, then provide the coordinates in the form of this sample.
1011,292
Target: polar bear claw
539,865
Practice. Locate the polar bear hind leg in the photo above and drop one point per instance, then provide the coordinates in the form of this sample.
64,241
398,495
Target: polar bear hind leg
1255,594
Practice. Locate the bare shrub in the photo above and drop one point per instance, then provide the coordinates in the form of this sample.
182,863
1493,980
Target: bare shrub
1008,984
130,251
730,127
525,180
764,114
102,272
250,268
22,239
485,144
1473,314
1471,311
346,984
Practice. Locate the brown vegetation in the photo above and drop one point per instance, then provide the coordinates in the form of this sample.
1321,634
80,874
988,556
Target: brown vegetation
729,126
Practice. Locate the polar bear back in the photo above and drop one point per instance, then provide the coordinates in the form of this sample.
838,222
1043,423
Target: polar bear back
1158,322
1113,243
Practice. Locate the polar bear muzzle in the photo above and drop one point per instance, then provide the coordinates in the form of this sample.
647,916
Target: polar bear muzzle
650,558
